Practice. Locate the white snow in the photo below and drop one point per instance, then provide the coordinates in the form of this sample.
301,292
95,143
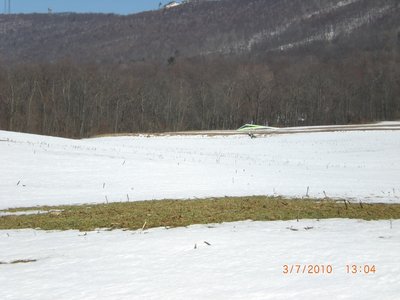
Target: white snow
39,170
30,212
244,261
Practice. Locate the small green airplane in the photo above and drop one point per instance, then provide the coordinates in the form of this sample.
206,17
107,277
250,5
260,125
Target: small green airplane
251,127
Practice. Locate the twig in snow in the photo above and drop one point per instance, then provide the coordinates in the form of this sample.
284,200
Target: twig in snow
106,199
127,197
104,184
308,189
292,229
144,225
18,182
207,243
18,261
345,203
391,224
325,194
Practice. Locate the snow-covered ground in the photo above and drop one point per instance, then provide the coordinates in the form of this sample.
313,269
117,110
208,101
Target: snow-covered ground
358,165
243,261
29,212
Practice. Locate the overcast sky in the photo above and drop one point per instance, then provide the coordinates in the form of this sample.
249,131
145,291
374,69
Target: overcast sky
103,6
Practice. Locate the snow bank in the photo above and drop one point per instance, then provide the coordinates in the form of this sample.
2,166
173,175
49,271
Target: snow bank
38,170
243,261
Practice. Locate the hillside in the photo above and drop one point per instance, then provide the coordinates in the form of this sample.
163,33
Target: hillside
201,28
202,65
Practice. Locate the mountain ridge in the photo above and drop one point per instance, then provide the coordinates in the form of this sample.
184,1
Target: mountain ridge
227,27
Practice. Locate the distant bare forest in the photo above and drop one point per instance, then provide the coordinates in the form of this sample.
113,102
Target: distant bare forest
77,101
321,65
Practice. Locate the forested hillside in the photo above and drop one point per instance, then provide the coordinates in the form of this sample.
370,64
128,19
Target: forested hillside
201,65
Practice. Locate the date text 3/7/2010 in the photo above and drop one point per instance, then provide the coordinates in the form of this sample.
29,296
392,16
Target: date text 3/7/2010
326,269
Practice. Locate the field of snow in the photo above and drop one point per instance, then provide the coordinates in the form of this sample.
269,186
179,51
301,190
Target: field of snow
39,170
243,261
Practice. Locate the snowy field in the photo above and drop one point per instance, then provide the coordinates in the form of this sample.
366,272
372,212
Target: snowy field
243,261
357,165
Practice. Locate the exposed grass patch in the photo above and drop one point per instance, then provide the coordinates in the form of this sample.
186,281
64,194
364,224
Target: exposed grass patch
177,213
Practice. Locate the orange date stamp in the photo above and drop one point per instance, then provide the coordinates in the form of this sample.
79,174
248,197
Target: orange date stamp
307,269
327,269
360,269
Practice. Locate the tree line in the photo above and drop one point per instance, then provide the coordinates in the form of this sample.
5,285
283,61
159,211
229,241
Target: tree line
202,93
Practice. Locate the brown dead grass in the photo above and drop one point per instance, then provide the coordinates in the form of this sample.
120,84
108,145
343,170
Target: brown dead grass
176,213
